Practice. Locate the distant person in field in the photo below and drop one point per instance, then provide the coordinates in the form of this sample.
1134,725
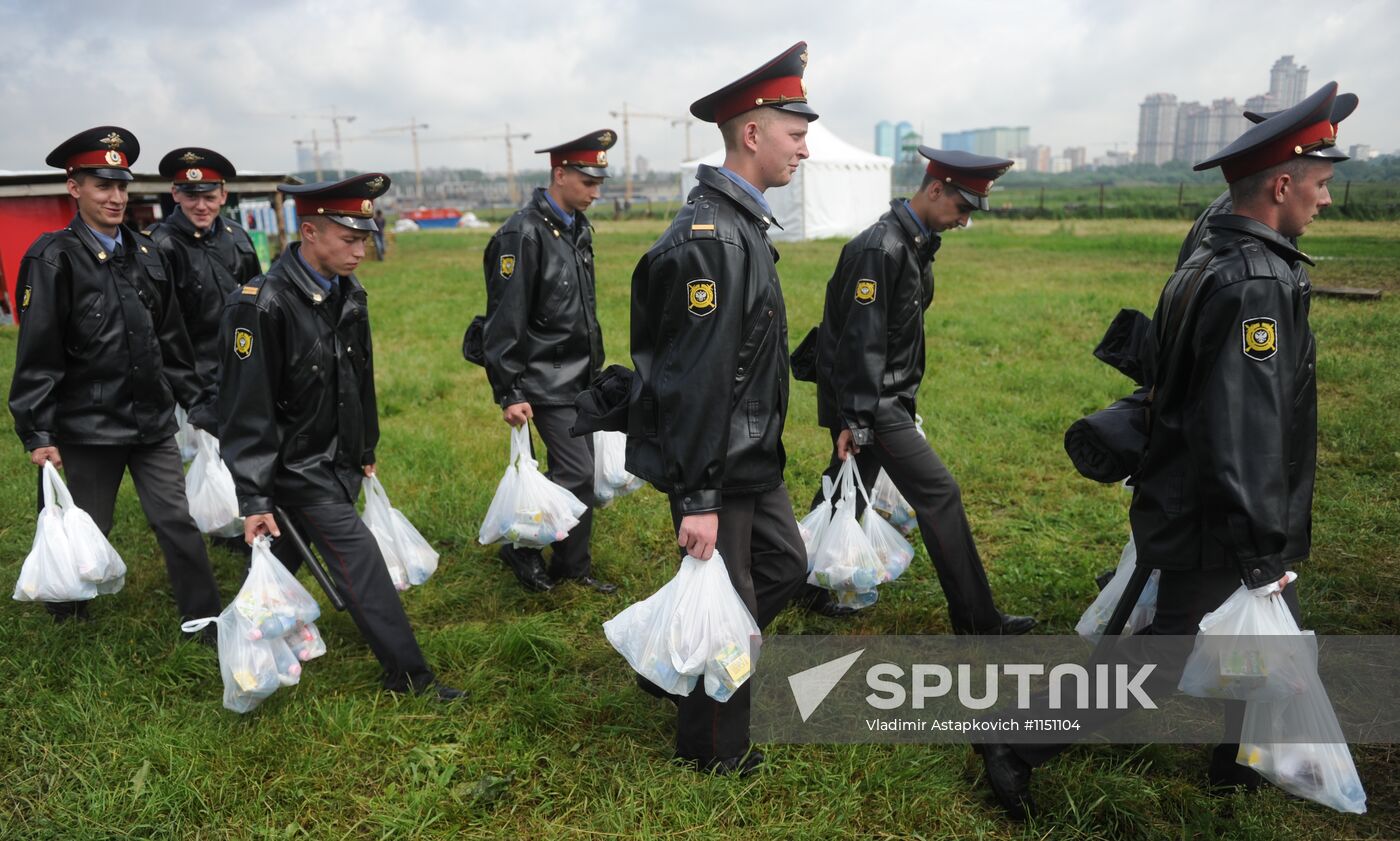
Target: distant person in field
298,419
381,248
1341,109
542,341
709,344
103,356
1224,493
870,364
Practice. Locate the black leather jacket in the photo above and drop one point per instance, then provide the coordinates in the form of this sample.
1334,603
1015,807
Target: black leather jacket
297,413
208,267
709,343
103,354
1227,479
870,345
542,340
1222,204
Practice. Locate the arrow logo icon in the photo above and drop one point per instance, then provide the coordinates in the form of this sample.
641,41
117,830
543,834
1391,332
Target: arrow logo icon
811,686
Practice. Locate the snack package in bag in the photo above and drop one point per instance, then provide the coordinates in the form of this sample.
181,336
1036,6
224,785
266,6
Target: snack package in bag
857,599
641,633
813,526
411,559
610,477
711,630
528,510
209,490
70,559
271,599
305,641
1091,625
844,559
1247,650
1322,771
886,499
247,665
185,435
893,551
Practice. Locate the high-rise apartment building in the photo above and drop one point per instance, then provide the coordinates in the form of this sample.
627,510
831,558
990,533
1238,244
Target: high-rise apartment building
1288,83
1157,128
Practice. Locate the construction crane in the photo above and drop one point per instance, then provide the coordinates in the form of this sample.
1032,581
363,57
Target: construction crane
336,119
507,136
412,129
627,116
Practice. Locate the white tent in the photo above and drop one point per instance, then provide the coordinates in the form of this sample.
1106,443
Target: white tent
837,192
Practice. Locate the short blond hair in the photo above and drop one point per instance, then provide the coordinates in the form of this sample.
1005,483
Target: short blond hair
732,128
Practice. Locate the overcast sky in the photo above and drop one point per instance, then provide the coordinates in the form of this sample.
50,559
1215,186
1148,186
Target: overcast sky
231,75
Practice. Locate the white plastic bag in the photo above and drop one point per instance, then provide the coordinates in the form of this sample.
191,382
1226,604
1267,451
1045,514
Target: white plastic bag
893,551
712,629
814,524
410,558
886,499
305,641
1322,772
610,477
856,599
1092,624
844,559
641,633
209,490
528,510
248,666
185,435
271,600
70,559
1247,650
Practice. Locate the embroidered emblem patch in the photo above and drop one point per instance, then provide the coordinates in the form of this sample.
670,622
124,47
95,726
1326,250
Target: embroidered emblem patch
507,265
865,291
1260,338
28,291
242,343
701,298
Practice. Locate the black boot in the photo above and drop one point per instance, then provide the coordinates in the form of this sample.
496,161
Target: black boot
528,566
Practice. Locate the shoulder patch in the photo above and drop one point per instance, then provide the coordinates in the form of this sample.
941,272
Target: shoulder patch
251,290
24,302
507,266
1260,338
242,342
701,297
865,291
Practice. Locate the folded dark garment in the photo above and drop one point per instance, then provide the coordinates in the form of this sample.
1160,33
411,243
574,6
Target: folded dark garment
602,407
804,359
474,342
1130,346
1107,446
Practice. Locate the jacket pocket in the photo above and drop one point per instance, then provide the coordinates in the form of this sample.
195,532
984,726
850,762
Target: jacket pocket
647,405
754,410
755,334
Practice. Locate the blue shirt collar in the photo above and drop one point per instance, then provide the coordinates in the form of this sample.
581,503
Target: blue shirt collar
326,284
917,221
109,243
566,218
746,187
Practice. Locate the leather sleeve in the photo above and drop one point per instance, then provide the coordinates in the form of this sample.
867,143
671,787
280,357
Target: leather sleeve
369,403
511,266
39,358
1239,420
866,285
177,356
251,356
694,379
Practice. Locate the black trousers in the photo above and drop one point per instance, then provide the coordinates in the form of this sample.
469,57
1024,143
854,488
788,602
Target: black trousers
1183,598
933,493
357,567
569,464
94,473
763,552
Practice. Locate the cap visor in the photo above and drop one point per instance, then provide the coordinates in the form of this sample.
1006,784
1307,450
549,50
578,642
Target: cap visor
980,202
595,171
357,222
201,187
799,108
110,174
1331,153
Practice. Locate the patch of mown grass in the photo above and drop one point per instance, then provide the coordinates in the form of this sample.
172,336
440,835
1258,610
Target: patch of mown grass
114,729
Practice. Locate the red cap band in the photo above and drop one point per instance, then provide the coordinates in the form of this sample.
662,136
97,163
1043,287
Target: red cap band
776,91
576,157
959,178
197,175
98,160
338,207
1282,149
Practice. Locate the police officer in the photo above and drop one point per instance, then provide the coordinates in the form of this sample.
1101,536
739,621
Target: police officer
210,256
1342,107
709,344
870,362
297,414
102,358
1224,492
542,340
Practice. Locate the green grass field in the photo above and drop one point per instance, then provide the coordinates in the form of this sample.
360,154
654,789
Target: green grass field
114,729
